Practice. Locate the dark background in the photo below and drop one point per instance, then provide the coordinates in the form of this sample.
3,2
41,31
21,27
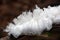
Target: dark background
10,9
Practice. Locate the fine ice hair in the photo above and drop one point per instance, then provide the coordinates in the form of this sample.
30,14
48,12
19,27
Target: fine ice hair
34,23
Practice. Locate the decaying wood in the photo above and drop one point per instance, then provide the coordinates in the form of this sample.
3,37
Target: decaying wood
4,38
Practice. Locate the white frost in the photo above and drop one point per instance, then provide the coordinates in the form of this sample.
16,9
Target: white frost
34,23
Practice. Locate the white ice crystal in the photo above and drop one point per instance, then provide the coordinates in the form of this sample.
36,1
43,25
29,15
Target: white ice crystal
34,23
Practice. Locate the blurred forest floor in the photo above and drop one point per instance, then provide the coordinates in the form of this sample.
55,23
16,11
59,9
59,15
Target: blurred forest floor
10,9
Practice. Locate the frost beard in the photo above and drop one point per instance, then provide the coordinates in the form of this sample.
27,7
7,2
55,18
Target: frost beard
35,23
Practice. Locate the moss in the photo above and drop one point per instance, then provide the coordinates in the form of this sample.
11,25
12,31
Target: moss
49,34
